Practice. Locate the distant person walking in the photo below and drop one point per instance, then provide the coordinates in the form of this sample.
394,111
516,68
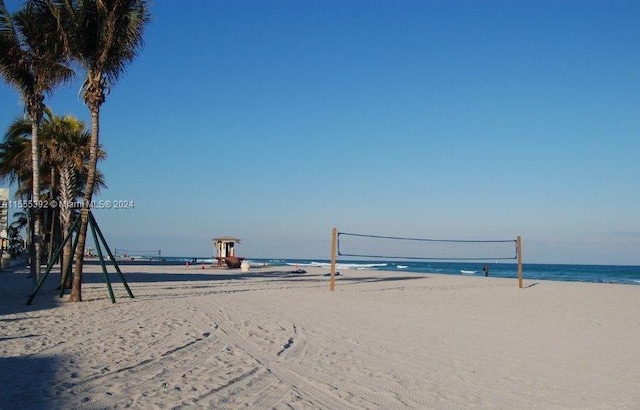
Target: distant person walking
485,269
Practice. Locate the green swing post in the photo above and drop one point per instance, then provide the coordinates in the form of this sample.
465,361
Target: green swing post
97,233
111,257
37,288
105,274
49,267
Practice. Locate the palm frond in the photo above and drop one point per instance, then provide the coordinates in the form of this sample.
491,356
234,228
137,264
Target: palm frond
108,36
15,152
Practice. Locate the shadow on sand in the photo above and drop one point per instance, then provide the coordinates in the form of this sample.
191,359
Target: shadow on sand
232,275
47,297
189,284
17,285
28,381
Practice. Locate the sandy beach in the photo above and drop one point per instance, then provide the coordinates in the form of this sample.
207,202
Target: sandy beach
269,338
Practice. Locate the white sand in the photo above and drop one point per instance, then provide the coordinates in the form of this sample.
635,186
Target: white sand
215,338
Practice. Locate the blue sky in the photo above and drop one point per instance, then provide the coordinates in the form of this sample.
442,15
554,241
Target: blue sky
275,121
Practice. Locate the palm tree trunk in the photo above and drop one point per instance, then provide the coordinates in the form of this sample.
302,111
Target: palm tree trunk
67,253
54,235
37,225
76,288
67,189
31,249
53,217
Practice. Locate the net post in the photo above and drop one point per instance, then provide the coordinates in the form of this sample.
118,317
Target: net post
519,252
334,242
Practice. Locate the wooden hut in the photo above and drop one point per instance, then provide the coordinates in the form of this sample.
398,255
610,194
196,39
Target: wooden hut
226,251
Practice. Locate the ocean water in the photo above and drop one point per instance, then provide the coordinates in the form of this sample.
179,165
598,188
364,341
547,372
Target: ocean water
567,273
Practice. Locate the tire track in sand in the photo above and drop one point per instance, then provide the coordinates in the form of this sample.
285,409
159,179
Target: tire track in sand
144,375
299,357
320,393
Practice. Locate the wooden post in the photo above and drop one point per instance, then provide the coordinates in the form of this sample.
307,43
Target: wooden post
519,252
334,246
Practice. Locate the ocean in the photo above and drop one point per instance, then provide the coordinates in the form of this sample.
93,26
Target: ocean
629,275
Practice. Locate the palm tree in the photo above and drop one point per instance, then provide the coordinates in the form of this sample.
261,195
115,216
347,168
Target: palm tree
15,239
103,36
65,155
15,167
67,151
21,220
15,156
31,59
19,134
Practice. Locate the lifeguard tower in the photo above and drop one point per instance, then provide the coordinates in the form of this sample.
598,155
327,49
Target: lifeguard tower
226,251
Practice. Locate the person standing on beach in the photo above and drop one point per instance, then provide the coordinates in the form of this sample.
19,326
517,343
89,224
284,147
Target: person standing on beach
485,269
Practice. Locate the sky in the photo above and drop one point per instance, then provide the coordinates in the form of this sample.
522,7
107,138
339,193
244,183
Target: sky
276,121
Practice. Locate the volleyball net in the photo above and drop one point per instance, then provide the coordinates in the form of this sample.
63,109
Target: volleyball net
375,246
136,254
